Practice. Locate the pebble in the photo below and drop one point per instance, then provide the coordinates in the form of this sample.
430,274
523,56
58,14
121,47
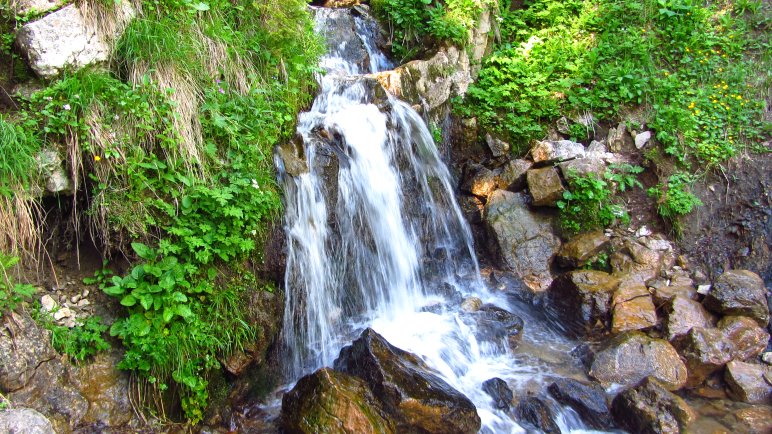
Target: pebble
643,231
48,303
767,357
75,298
703,289
83,303
85,293
62,313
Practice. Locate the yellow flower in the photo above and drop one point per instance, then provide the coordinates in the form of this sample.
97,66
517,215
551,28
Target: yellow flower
97,158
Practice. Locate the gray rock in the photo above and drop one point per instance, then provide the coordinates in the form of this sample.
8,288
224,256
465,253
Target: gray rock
23,347
649,408
545,186
747,382
53,174
538,412
511,176
26,7
555,151
682,314
641,139
523,240
24,421
580,301
739,292
498,389
767,357
589,401
343,45
582,167
632,356
618,139
498,147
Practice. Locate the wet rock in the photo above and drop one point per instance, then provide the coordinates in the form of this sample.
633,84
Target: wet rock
682,314
329,401
106,389
748,382
589,401
290,154
739,292
650,408
471,304
582,167
767,358
495,324
632,308
23,347
24,421
538,412
747,338
498,147
664,293
480,182
757,419
339,30
634,261
472,207
705,350
511,176
580,300
498,389
265,310
414,397
632,356
522,240
64,39
554,151
545,186
582,248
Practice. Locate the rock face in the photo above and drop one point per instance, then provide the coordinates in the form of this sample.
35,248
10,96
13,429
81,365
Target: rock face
582,248
545,186
588,401
498,389
262,308
650,408
739,292
415,398
329,401
24,421
632,356
522,239
682,314
632,308
705,351
66,39
19,358
749,382
342,40
580,301
536,411
552,151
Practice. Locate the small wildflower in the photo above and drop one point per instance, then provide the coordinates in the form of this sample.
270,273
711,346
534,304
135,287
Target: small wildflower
255,184
97,158
66,107
221,91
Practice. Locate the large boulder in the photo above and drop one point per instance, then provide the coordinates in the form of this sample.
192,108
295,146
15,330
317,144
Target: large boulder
545,186
683,314
498,389
748,340
589,401
264,310
537,411
24,421
632,356
749,382
345,48
582,248
739,292
582,167
580,301
511,176
555,151
411,394
705,350
649,408
67,39
106,389
632,308
23,347
757,419
635,261
480,181
523,240
332,402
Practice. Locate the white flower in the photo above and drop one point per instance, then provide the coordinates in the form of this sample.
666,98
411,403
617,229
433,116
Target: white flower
66,107
254,232
255,184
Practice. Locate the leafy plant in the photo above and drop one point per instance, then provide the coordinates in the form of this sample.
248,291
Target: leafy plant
81,342
11,293
674,199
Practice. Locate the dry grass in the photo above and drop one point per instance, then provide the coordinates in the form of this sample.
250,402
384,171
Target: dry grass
20,226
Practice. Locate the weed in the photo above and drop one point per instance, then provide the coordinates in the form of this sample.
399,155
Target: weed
674,199
11,293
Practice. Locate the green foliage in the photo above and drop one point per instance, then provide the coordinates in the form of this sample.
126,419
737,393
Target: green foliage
11,293
81,342
674,199
17,156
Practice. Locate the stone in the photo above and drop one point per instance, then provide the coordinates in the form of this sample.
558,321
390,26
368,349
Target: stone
62,313
415,398
522,240
767,357
498,147
329,401
473,208
650,408
554,151
580,301
582,248
471,304
24,421
511,176
563,126
705,350
498,326
704,289
618,138
498,389
747,338
347,51
642,139
596,150
538,412
34,7
341,3
23,347
663,294
106,390
747,382
545,186
480,181
632,308
290,154
65,39
83,303
582,167
53,175
634,261
47,303
682,314
589,401
632,356
739,292
757,419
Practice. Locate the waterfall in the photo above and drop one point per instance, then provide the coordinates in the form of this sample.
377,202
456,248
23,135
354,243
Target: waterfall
376,237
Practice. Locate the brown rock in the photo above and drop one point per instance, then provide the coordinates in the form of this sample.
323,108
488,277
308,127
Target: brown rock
632,356
581,300
650,408
472,207
511,176
498,147
341,3
545,186
747,382
705,350
747,338
632,308
682,314
757,419
290,154
739,292
480,181
582,248
23,347
664,293
635,261
333,402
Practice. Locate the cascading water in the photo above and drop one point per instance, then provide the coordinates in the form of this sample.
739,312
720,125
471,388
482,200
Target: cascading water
376,238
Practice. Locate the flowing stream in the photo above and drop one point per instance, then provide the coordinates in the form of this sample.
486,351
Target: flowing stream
376,238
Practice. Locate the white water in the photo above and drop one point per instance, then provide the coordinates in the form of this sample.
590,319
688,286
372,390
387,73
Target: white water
388,240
